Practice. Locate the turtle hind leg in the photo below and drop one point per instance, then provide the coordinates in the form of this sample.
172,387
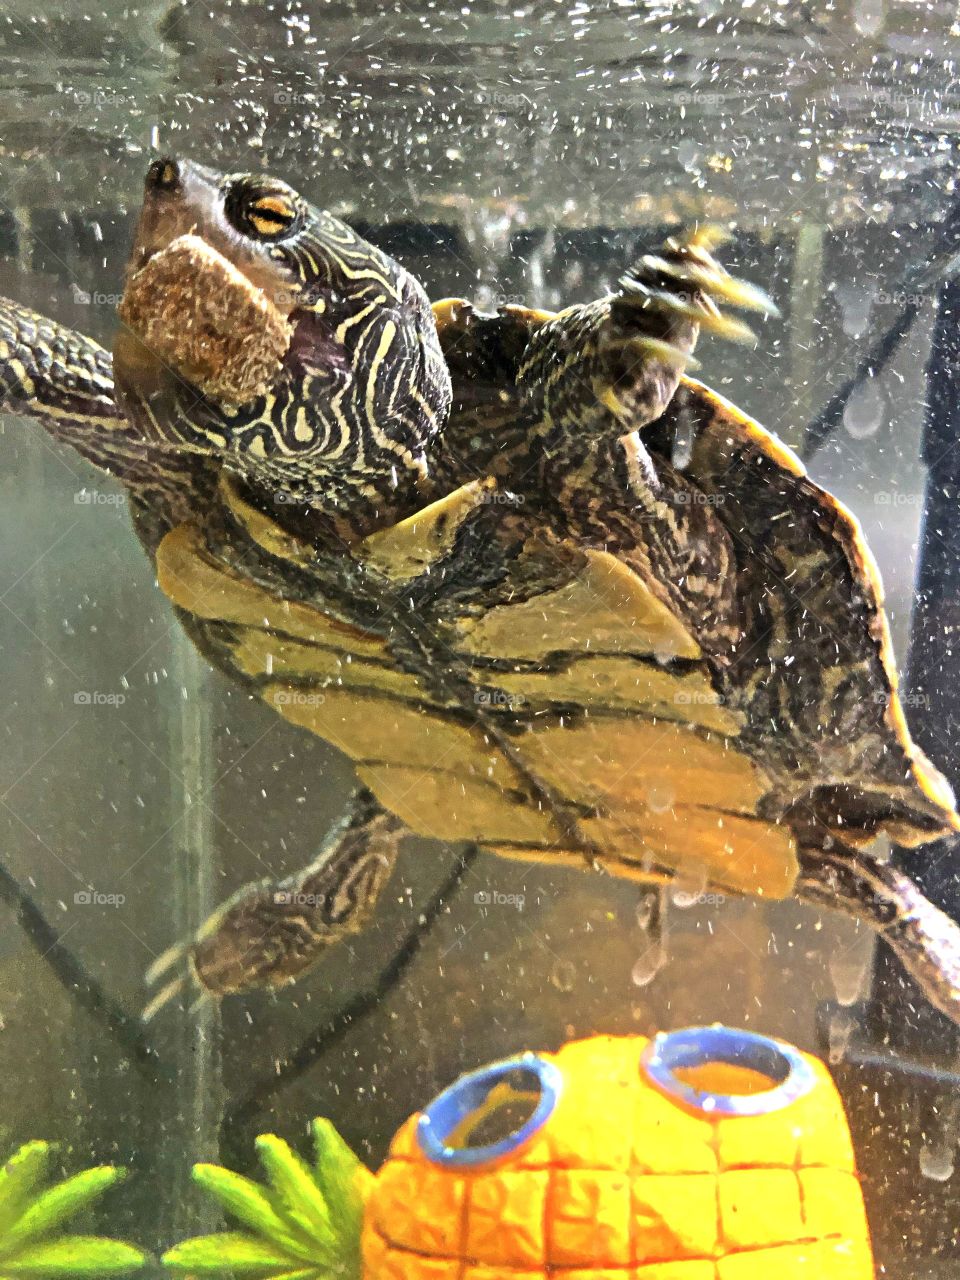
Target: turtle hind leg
272,931
924,938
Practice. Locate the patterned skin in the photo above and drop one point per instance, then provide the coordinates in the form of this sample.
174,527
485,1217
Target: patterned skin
623,1182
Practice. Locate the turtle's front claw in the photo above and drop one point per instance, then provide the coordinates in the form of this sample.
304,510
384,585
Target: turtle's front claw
175,957
684,285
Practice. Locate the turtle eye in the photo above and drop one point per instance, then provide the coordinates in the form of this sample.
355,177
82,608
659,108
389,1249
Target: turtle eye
721,1071
264,214
489,1113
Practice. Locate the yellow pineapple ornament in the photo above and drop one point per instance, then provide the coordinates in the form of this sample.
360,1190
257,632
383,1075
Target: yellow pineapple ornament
703,1154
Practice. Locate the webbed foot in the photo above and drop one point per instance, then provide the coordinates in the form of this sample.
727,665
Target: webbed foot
272,931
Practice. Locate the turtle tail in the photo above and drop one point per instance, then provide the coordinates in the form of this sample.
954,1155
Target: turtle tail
925,939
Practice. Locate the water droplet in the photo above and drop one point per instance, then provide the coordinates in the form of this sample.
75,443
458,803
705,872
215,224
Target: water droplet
688,153
650,912
686,891
856,304
842,1026
648,965
868,16
660,798
865,412
937,1162
850,967
564,975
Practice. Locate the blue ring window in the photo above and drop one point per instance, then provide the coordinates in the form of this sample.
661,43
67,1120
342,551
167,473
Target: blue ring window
452,1113
668,1054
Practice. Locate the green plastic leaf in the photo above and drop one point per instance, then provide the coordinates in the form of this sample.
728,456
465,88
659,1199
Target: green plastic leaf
296,1195
31,1244
345,1183
341,1175
49,1209
244,1255
252,1207
306,1226
76,1256
19,1179
311,1273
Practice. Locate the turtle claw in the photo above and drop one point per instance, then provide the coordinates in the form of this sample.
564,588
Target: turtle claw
708,236
696,268
186,981
165,962
664,352
166,995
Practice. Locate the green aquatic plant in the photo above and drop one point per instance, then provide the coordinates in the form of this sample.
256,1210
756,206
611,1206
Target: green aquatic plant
304,1224
33,1213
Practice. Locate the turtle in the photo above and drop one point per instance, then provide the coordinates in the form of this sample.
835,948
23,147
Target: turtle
550,594
706,1153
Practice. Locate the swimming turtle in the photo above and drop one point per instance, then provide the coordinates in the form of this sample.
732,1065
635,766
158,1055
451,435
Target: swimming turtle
549,594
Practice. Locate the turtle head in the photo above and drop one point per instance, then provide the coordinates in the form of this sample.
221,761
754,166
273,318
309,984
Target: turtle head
264,330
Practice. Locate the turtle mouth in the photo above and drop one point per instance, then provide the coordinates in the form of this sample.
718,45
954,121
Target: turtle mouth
186,199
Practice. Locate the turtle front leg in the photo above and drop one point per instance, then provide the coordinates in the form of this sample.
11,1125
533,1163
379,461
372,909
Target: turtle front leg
924,938
54,374
64,380
272,931
597,372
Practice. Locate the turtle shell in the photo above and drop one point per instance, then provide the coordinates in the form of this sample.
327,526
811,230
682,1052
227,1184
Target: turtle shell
507,686
631,1174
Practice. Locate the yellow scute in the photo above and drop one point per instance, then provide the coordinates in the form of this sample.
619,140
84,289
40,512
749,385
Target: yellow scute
605,609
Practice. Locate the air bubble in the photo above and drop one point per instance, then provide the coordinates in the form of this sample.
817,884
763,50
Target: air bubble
937,1162
564,975
850,967
842,1026
660,798
939,1153
687,891
650,920
868,16
864,412
648,965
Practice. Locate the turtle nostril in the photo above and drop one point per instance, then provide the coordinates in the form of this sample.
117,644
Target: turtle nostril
163,175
